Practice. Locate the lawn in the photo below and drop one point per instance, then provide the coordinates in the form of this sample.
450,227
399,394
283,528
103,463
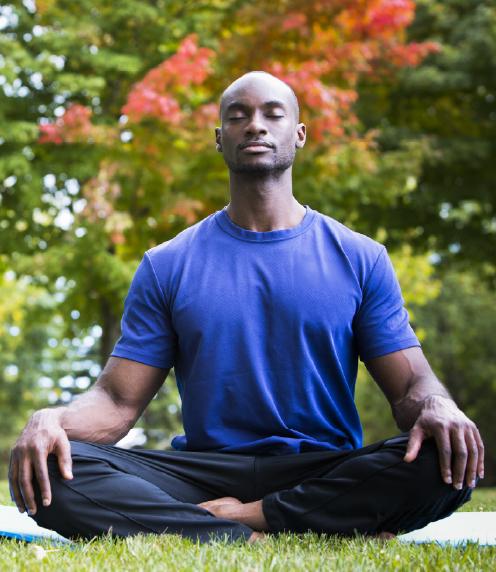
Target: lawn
285,552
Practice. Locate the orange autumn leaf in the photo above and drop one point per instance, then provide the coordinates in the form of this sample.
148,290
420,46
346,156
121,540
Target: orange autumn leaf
156,94
188,209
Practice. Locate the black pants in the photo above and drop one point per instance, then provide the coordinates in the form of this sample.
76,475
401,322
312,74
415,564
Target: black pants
366,491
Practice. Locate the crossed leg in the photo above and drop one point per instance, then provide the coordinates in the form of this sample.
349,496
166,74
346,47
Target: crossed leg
129,493
369,491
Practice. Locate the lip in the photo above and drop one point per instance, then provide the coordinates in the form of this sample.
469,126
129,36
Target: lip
255,147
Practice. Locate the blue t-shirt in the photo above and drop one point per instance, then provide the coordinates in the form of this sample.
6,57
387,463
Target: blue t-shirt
264,330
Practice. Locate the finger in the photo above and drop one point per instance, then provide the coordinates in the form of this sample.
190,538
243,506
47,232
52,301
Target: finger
459,457
444,453
415,440
15,491
472,460
41,472
480,446
26,485
64,458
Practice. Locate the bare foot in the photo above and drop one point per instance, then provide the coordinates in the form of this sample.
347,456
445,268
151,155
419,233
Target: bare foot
215,504
257,537
231,508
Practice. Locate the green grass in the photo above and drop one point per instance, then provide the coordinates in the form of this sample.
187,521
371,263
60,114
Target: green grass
283,553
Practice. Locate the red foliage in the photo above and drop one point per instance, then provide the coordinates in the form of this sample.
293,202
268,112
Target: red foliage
155,95
145,102
74,126
293,20
413,53
50,133
322,48
205,115
329,104
378,18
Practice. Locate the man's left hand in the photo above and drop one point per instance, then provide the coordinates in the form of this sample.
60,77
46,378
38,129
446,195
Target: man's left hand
460,447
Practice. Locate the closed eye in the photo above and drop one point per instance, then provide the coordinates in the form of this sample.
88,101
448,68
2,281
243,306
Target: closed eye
270,116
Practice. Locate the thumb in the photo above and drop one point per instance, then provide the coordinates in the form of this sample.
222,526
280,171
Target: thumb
415,440
63,451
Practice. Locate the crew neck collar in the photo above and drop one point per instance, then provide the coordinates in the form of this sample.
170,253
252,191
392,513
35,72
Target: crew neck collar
241,233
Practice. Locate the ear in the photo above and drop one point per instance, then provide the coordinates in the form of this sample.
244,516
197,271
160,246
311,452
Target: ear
218,140
301,135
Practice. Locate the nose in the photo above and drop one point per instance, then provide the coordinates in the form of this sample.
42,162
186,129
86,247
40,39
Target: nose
256,124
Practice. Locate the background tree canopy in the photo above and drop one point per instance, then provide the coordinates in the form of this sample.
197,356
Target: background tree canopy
107,116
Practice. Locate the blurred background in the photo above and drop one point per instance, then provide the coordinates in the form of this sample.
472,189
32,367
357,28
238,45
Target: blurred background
107,116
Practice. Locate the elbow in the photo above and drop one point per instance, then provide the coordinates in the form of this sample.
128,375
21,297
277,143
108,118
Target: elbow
121,416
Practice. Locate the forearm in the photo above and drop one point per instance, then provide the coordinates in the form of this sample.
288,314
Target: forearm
427,410
104,414
422,388
96,417
422,405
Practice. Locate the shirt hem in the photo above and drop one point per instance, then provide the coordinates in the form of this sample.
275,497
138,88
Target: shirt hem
384,350
141,358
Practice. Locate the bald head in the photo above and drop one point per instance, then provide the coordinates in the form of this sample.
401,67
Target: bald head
265,80
259,110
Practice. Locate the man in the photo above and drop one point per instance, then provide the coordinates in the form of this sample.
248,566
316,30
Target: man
263,308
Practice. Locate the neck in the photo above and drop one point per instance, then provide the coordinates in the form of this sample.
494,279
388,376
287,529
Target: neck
263,203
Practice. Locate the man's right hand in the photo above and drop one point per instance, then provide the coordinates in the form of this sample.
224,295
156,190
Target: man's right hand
103,414
42,435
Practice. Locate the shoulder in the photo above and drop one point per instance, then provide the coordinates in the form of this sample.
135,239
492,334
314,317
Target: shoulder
167,260
177,247
349,238
361,251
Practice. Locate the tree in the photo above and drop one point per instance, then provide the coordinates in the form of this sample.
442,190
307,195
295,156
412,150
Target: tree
119,179
106,129
448,104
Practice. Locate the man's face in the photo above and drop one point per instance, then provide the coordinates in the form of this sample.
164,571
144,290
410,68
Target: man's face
259,131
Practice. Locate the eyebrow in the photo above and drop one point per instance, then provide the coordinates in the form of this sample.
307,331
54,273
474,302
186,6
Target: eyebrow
241,105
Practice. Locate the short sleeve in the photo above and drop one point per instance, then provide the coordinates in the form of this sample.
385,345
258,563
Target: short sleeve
147,335
381,325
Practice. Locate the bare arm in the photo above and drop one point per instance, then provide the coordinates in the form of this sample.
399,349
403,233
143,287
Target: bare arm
106,412
103,414
421,404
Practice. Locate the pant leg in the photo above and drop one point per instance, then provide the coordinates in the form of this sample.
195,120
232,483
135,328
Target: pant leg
127,493
367,491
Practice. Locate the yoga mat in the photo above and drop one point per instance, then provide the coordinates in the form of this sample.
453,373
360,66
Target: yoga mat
13,524
457,530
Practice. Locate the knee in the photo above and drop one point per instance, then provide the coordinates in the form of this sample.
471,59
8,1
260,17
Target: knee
59,514
63,490
425,470
426,465
72,510
429,482
425,496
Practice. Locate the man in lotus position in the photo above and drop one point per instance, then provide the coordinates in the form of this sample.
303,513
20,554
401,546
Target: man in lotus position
263,308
